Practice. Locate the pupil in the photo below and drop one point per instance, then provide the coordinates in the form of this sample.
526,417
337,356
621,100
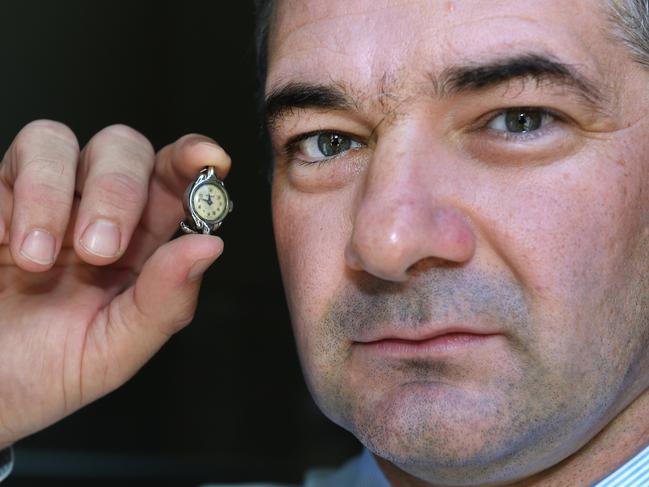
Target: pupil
523,120
332,144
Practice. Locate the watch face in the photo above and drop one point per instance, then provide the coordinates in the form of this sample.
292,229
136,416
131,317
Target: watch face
210,202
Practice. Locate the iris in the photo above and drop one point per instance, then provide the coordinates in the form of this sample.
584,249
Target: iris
331,144
519,121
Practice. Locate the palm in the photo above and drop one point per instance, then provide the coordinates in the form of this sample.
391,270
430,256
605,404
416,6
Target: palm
63,315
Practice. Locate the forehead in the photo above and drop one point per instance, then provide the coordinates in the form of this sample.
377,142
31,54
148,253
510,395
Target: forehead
366,41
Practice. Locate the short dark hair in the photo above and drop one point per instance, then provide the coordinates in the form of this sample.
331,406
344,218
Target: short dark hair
263,13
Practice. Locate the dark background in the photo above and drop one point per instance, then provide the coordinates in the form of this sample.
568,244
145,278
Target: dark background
225,399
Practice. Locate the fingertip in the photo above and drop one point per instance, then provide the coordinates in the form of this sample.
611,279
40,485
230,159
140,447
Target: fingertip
197,151
199,267
213,155
205,249
205,246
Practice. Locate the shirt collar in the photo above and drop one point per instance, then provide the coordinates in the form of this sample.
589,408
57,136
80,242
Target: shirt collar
634,473
370,473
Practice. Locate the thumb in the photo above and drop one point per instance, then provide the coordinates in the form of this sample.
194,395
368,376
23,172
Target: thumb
141,319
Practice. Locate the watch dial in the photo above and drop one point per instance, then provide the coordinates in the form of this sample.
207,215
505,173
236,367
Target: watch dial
210,202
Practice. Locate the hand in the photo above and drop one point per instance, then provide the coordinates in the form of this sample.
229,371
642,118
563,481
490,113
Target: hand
90,287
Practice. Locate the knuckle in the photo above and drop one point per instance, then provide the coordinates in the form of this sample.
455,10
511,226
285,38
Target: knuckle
44,198
124,135
40,169
42,132
122,191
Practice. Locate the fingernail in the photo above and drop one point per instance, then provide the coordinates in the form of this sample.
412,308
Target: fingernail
211,145
39,246
199,268
102,238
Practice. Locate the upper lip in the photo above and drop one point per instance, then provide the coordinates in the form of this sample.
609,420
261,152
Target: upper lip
423,333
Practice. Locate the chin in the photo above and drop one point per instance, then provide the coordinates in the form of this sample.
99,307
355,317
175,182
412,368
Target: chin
442,434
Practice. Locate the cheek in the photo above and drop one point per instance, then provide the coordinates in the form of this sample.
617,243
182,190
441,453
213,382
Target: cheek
311,231
572,234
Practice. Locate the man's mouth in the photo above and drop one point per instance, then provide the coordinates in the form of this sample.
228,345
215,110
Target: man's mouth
439,343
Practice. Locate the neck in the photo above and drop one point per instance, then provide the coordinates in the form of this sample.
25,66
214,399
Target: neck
615,444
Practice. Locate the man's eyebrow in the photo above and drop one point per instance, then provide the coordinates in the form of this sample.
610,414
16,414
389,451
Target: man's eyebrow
453,80
537,67
303,95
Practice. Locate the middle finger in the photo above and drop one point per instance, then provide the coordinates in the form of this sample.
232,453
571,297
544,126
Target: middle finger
113,180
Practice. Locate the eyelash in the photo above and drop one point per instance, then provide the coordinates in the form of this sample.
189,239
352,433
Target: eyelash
291,147
523,136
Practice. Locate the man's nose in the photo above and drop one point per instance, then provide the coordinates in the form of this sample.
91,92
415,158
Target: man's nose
410,210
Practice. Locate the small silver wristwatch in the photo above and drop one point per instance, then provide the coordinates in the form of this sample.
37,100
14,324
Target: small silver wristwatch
206,203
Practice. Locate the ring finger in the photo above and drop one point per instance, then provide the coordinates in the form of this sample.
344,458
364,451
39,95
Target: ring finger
39,168
113,181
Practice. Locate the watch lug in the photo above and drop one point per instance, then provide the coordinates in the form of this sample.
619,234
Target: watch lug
185,228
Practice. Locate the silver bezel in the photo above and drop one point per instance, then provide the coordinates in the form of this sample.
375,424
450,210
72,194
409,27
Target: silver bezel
195,223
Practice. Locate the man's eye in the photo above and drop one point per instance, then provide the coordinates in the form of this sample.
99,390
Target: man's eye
520,120
324,145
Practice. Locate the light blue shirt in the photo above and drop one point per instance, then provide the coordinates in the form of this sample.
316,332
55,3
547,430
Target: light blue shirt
362,471
634,473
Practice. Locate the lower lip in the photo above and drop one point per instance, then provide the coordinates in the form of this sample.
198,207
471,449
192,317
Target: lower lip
440,345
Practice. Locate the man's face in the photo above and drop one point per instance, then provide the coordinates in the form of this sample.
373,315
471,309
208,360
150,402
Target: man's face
460,204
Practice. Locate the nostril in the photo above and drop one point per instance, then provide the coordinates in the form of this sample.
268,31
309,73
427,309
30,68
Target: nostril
387,258
425,265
